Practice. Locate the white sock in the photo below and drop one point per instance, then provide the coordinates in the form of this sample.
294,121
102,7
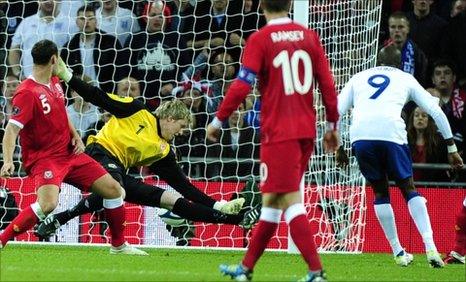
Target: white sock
386,217
418,210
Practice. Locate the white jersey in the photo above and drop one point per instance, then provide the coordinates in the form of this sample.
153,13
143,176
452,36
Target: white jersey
121,25
378,96
33,29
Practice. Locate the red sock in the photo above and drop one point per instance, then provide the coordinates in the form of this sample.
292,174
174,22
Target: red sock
116,222
260,238
22,223
460,231
302,236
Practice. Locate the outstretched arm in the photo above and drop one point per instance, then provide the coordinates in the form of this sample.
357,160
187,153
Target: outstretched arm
118,106
169,171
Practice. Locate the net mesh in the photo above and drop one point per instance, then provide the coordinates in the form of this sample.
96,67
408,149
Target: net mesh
186,52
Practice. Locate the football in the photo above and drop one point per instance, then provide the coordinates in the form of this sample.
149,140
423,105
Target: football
170,218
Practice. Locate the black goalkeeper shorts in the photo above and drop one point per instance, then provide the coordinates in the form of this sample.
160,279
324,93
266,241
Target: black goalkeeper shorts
137,192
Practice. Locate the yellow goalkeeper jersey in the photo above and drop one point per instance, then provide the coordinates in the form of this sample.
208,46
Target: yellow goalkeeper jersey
132,134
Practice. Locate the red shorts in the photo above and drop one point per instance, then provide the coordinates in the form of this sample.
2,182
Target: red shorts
80,171
283,165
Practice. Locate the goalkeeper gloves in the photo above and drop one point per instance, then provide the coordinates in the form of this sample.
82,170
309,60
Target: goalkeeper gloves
62,71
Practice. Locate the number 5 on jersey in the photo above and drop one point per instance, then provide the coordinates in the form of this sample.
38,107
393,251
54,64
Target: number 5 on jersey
45,105
290,71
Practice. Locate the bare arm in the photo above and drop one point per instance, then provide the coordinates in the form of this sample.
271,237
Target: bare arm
75,139
14,57
8,147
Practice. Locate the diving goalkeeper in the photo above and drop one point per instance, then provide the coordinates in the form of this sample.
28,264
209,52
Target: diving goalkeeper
136,137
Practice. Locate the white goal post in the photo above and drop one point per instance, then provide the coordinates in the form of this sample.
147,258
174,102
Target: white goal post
334,198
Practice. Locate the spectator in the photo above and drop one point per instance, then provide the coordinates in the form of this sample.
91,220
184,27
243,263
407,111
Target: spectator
93,52
246,21
426,146
82,114
457,7
182,17
238,147
116,21
157,57
47,23
213,27
194,96
452,99
222,74
426,29
454,44
413,59
10,84
129,87
15,11
69,8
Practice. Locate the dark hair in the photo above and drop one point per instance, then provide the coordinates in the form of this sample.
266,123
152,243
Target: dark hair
430,134
275,6
85,8
444,63
43,51
389,56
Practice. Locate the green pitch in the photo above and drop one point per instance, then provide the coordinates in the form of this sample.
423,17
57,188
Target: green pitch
63,263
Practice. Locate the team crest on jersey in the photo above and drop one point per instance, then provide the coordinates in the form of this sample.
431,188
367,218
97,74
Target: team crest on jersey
163,146
48,174
15,110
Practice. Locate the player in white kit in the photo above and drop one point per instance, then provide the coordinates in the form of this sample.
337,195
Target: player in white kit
379,141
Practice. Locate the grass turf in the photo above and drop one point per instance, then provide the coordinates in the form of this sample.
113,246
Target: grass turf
64,263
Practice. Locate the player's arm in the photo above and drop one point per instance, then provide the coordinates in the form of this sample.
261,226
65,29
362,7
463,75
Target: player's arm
117,106
345,102
8,147
239,89
76,141
14,58
24,107
169,171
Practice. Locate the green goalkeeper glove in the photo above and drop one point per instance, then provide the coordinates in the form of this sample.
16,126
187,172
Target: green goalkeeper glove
62,71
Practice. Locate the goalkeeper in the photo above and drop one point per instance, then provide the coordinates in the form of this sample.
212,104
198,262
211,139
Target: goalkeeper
135,137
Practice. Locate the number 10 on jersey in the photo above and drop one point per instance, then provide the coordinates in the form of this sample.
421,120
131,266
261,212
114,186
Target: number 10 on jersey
290,71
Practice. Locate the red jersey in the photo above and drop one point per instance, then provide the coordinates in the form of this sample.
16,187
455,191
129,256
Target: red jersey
39,110
286,57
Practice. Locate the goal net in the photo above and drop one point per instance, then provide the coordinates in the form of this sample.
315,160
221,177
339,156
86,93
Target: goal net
190,52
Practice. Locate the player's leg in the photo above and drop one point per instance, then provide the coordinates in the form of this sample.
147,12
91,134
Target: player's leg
91,203
264,230
459,251
138,192
372,157
88,173
400,167
52,223
295,213
47,174
47,200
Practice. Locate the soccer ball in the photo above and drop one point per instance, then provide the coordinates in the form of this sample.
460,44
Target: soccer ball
170,218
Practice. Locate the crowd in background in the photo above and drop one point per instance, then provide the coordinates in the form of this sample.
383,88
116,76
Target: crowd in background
190,50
